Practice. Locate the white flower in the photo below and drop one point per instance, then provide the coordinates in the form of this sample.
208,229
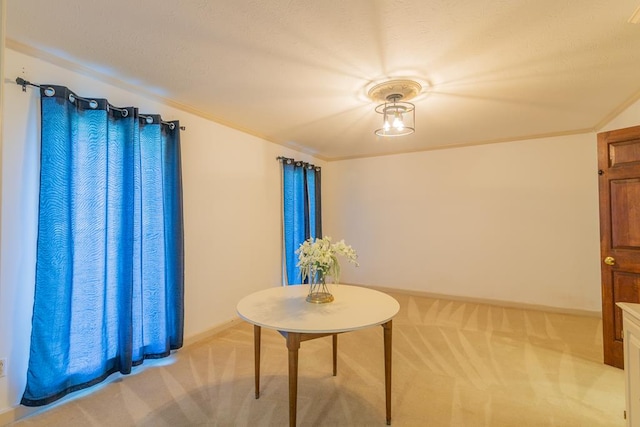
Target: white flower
319,257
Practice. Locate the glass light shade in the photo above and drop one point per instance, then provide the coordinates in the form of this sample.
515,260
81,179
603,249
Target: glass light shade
398,118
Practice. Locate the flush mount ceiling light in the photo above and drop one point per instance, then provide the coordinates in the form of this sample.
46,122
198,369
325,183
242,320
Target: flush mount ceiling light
398,116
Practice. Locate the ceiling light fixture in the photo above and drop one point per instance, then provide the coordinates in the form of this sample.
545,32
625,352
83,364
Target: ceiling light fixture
398,116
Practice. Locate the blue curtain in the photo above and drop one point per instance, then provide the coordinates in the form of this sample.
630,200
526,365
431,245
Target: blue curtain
302,212
110,254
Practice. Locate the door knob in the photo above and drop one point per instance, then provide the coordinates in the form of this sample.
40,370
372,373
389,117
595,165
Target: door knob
610,260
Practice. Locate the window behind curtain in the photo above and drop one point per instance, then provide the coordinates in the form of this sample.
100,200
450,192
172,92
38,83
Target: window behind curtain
302,212
110,258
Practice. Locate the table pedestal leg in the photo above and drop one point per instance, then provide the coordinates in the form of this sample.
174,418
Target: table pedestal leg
256,352
387,368
293,345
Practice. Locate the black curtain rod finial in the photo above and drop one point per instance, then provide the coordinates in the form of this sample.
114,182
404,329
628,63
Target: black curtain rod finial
22,82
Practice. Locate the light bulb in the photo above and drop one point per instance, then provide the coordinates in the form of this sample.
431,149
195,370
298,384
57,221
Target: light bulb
386,126
397,123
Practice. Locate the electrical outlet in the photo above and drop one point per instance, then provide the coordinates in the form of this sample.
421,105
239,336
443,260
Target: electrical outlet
3,367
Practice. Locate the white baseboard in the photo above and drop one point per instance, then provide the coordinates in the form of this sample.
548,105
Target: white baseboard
215,330
17,412
486,301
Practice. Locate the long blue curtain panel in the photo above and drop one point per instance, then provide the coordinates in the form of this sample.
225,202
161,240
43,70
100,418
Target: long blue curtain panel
110,253
302,214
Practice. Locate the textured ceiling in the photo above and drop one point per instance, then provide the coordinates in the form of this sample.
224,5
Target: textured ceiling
296,72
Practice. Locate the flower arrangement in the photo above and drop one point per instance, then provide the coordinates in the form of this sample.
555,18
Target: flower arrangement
318,258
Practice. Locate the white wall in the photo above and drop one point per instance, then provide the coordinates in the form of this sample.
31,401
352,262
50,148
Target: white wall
515,222
231,211
629,117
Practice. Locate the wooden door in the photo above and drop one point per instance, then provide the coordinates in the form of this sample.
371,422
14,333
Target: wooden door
619,183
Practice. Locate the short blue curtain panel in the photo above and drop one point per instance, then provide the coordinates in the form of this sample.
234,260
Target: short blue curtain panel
302,212
110,253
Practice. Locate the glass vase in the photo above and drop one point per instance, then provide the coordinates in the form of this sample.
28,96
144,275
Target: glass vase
318,291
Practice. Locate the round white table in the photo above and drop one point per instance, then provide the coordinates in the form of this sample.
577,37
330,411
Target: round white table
285,309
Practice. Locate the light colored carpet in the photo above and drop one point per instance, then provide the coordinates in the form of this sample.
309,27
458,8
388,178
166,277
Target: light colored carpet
454,364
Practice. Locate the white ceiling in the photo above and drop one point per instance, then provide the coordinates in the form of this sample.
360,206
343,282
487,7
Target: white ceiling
296,72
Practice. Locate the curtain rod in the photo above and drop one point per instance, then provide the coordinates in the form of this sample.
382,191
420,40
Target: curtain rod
24,83
297,162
